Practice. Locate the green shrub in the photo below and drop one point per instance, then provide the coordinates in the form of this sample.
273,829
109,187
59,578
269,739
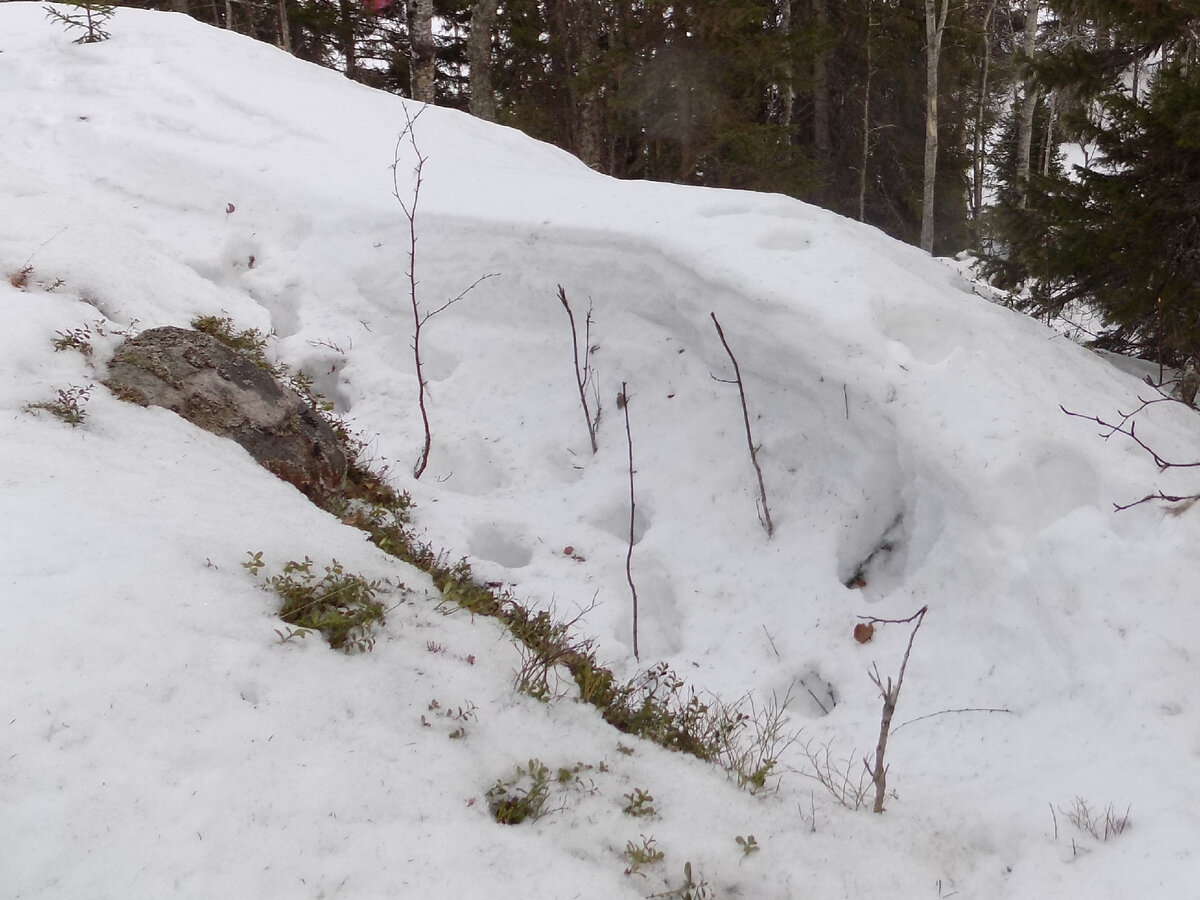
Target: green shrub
68,405
523,797
340,605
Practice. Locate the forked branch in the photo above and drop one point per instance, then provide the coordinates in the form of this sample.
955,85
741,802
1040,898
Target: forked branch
891,696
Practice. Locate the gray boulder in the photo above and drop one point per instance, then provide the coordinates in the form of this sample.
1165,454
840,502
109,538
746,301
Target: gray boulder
226,393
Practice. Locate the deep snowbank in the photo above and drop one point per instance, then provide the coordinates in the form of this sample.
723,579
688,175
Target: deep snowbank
158,736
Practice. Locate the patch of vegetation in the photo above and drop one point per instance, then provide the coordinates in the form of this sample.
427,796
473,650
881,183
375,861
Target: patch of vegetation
656,705
522,797
641,855
640,804
69,404
250,342
79,339
341,606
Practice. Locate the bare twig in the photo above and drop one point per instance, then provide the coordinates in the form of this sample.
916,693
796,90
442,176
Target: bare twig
844,784
946,712
623,404
410,213
1128,428
891,696
771,640
1165,498
420,317
762,490
583,373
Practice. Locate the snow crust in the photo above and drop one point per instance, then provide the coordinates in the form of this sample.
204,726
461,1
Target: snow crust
157,738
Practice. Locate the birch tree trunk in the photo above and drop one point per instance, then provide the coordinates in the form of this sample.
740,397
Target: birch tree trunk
980,107
935,27
1028,105
479,58
422,55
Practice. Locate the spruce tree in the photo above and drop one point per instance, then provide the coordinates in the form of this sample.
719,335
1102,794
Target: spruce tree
91,17
1123,236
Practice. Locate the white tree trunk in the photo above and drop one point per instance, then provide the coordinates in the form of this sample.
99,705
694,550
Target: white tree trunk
1028,105
422,56
935,27
977,147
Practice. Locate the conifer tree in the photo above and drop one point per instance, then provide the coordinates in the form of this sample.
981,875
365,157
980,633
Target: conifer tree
83,14
1121,234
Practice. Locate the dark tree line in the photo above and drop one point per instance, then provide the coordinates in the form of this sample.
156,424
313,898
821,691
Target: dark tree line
939,121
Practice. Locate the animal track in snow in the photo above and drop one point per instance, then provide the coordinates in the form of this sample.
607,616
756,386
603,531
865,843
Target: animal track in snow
497,544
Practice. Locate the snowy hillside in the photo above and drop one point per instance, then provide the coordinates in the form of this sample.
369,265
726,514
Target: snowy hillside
158,739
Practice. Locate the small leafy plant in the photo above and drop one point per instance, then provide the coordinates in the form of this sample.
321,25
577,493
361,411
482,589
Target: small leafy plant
341,606
79,339
523,797
748,844
640,855
640,804
68,405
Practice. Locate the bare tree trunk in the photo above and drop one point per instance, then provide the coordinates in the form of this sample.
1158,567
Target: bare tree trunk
822,142
285,28
787,90
980,107
423,57
866,120
935,27
229,15
586,22
179,6
479,57
1028,105
346,37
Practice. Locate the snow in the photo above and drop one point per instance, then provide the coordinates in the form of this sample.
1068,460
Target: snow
158,738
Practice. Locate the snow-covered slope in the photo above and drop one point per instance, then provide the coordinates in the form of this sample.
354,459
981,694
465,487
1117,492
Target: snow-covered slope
156,737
